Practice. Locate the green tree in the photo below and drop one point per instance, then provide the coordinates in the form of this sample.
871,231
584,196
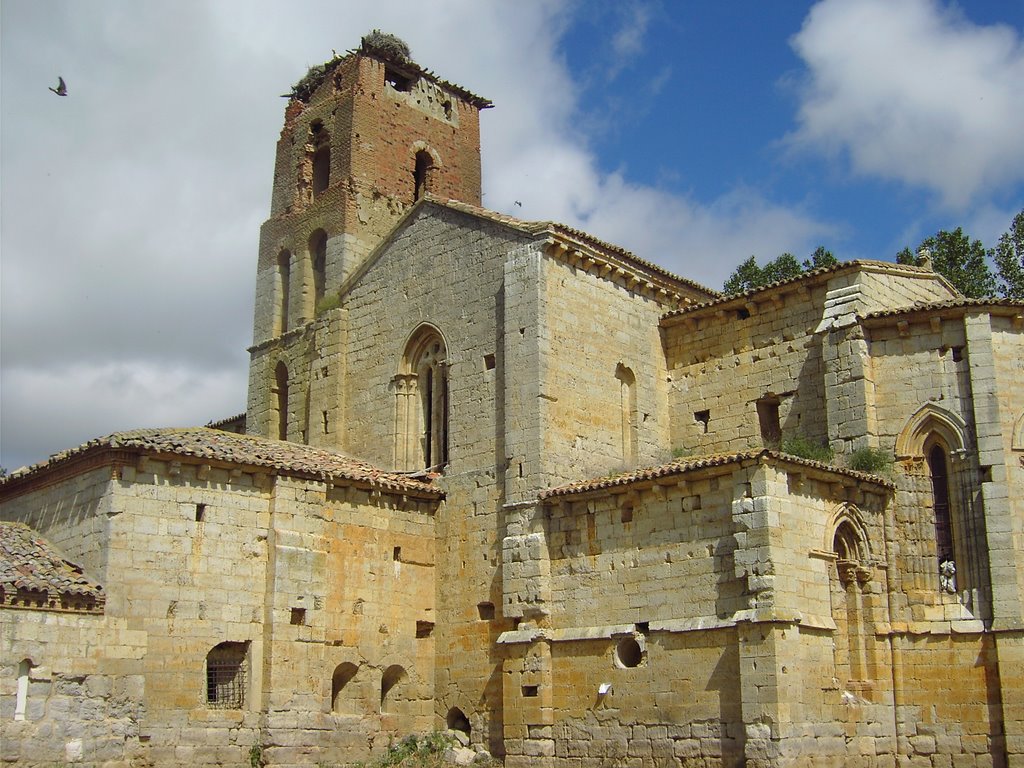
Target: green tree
820,258
1008,256
959,259
745,277
750,275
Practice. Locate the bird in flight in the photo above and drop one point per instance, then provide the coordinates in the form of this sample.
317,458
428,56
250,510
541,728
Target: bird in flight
61,89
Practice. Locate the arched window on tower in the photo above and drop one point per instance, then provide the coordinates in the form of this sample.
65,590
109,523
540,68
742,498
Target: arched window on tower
318,157
280,393
282,287
318,260
321,170
421,408
422,173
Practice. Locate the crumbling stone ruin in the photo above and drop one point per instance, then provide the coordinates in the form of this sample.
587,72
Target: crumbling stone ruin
504,478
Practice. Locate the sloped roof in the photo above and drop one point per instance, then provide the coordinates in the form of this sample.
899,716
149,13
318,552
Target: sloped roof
938,306
683,466
232,448
33,574
564,231
809,276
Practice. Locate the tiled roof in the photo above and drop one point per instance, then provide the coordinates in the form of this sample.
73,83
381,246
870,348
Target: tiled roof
683,466
217,445
563,230
805,276
34,575
936,306
227,422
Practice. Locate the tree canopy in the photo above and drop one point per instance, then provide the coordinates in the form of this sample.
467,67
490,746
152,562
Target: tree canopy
963,261
1008,256
750,275
959,259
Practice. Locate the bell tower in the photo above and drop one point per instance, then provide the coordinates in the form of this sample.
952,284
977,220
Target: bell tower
365,136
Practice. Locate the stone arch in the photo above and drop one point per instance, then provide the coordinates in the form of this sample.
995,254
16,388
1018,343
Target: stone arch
931,421
342,700
393,683
426,162
851,605
847,529
227,671
456,720
421,408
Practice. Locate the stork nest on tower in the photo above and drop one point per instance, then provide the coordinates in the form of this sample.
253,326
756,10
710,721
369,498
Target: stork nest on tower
388,47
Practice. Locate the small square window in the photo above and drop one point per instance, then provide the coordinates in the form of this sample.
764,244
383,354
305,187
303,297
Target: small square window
298,617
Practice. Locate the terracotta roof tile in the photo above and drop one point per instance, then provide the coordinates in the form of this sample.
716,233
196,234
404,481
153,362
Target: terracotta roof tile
810,275
683,466
935,306
563,230
217,445
33,574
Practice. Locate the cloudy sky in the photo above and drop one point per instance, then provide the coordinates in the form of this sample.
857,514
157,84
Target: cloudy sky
693,133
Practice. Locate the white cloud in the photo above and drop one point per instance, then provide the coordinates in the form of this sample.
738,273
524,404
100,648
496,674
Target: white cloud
628,40
914,92
50,410
132,207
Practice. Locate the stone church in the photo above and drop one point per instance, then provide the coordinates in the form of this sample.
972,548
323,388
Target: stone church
500,477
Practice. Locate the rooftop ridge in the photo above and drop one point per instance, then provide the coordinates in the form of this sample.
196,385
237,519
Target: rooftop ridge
218,445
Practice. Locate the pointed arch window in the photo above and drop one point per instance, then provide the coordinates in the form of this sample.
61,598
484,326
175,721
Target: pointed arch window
852,609
938,469
422,407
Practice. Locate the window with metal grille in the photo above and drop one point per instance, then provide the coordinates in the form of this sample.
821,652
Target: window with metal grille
226,669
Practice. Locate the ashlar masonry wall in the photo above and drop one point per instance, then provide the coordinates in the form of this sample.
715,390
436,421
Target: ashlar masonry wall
326,591
724,359
694,619
444,272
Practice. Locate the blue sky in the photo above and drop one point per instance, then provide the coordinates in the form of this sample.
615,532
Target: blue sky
693,133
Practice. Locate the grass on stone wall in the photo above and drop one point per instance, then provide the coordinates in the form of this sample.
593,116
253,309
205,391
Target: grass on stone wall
875,461
805,448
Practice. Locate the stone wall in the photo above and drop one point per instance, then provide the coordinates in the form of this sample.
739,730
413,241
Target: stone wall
723,360
602,388
327,594
85,693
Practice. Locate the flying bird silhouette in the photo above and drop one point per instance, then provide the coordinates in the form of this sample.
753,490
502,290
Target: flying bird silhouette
61,89
519,204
